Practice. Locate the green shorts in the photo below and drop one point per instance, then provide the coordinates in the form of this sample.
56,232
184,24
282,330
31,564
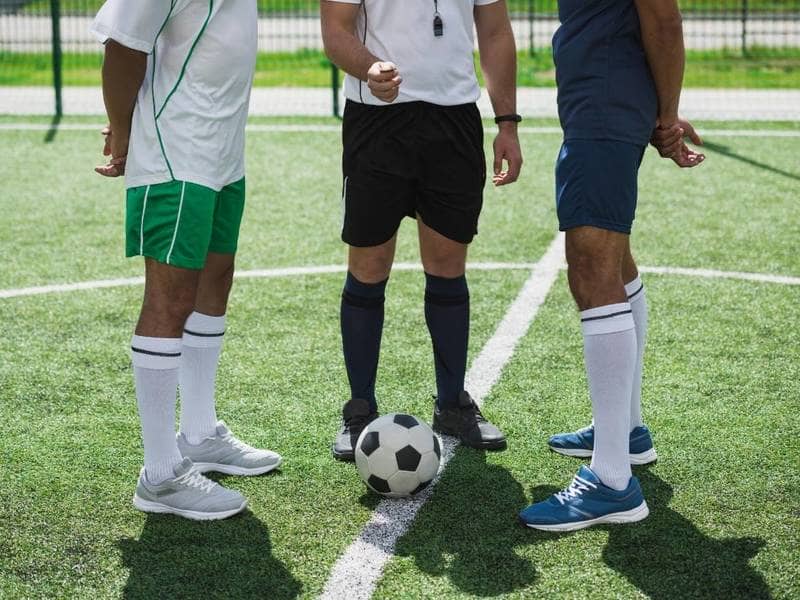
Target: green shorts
178,223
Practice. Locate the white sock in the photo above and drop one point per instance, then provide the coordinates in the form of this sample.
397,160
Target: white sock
638,302
202,344
609,348
155,368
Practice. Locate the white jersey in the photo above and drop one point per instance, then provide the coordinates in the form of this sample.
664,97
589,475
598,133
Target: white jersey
435,69
191,111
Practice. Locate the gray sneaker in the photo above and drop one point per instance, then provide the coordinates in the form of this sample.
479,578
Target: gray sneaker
225,454
189,494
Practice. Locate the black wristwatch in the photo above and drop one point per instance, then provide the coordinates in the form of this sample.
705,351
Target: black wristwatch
515,118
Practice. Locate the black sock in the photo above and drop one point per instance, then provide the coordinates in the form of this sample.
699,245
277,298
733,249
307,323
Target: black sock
447,316
362,326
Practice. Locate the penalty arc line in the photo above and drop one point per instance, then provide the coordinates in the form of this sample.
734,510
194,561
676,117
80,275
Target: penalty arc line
357,571
327,269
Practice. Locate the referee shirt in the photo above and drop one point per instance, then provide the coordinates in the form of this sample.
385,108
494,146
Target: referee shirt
438,70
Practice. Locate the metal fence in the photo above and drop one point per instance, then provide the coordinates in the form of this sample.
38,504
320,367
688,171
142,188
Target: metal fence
47,52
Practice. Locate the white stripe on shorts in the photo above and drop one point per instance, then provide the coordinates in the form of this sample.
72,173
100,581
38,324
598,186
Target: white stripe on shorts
141,225
177,222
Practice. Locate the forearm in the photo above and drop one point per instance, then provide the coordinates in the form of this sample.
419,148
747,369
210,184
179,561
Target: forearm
123,73
347,52
498,54
663,45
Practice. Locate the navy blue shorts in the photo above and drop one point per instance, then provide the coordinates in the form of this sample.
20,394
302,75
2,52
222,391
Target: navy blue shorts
596,184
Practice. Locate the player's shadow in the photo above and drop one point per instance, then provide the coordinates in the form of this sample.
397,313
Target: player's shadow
726,151
178,558
471,530
667,557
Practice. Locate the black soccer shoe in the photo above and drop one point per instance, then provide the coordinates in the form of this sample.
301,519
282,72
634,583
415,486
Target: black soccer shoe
466,422
356,415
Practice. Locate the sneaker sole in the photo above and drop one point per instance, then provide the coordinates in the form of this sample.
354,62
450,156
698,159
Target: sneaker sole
234,470
155,507
344,456
643,458
496,445
628,516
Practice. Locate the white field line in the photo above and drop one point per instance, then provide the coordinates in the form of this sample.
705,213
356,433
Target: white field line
713,274
325,269
357,571
321,128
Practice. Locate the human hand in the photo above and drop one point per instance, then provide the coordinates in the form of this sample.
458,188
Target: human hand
668,139
383,80
506,148
115,147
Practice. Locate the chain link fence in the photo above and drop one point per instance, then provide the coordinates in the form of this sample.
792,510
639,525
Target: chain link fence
49,61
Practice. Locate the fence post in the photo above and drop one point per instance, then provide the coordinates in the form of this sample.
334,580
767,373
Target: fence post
335,89
531,19
55,16
744,27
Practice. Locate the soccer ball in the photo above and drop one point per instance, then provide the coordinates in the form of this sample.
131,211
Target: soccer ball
397,455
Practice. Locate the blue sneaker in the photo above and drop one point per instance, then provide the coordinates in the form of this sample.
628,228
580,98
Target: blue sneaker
581,443
587,502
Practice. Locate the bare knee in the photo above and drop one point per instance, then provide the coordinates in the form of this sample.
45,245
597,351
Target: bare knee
169,298
216,281
594,259
371,265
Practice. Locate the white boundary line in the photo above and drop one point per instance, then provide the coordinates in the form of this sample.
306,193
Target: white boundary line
712,273
322,128
357,571
325,269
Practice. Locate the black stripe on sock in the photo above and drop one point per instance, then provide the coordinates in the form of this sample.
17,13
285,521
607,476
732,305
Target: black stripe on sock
440,300
151,353
636,293
616,314
198,334
362,301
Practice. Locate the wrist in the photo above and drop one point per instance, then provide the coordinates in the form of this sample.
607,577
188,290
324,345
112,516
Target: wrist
668,120
508,126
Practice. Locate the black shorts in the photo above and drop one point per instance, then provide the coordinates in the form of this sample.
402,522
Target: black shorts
410,159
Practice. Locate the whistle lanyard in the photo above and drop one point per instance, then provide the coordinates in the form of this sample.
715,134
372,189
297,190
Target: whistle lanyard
438,24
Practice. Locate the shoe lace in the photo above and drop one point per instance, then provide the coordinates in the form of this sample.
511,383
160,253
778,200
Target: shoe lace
575,489
472,411
196,479
236,442
357,422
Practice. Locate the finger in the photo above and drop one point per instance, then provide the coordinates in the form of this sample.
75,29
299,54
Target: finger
107,148
106,130
107,170
662,133
386,86
384,75
497,166
514,168
669,138
692,134
387,66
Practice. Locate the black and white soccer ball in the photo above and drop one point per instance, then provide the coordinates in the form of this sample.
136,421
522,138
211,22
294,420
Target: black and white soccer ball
398,455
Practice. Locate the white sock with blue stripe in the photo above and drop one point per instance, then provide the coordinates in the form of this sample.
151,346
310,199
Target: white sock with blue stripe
609,347
155,368
202,345
638,302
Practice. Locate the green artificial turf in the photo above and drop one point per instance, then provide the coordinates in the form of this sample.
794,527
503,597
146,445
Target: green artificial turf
762,68
721,389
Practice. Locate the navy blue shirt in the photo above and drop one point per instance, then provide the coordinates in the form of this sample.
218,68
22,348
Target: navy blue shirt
605,89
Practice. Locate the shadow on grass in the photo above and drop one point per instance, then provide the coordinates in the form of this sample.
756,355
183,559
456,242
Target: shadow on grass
178,558
470,532
726,151
667,557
